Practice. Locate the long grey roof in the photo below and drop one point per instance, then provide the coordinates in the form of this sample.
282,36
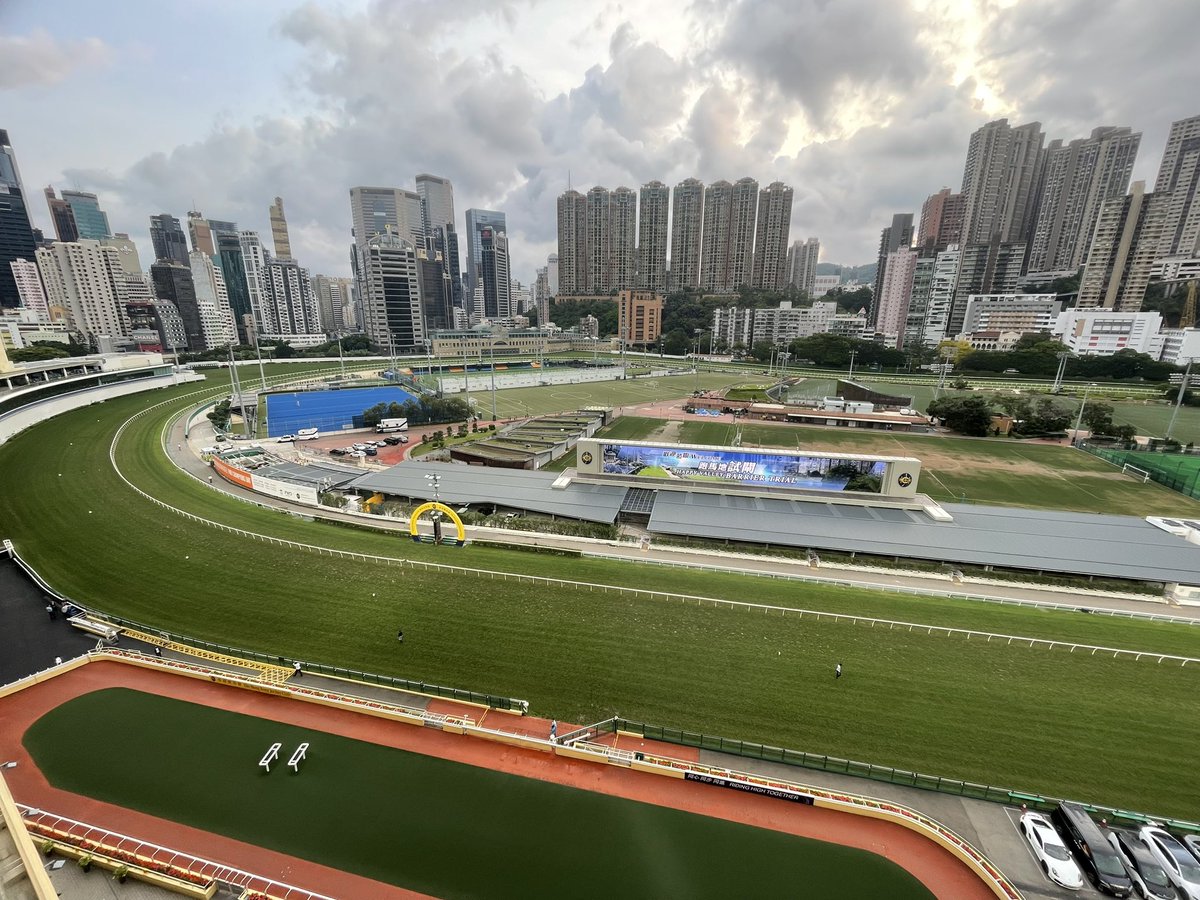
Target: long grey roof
1076,543
513,488
310,474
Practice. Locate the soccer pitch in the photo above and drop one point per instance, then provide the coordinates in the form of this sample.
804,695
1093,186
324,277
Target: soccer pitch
987,712
413,820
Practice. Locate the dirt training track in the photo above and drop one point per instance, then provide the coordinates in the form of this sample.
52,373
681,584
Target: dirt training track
936,868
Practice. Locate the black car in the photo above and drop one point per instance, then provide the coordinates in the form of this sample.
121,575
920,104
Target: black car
391,441
1148,876
337,451
1094,853
372,451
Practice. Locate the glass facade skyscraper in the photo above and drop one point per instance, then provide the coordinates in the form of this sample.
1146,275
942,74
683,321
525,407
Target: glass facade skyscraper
16,228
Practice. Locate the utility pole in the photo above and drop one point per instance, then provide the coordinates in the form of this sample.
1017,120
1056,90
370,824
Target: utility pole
1183,386
1079,418
257,352
492,359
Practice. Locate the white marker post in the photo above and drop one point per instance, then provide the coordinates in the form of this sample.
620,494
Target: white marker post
301,753
270,756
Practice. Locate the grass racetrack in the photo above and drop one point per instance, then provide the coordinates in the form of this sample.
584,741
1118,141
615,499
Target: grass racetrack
1088,727
431,825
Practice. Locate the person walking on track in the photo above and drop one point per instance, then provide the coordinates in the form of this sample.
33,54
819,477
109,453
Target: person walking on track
837,671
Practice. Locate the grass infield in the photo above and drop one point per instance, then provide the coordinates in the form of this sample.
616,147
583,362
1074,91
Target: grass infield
431,825
1088,727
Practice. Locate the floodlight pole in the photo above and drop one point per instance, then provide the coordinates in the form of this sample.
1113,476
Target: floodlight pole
492,360
1062,367
1183,386
850,375
1079,418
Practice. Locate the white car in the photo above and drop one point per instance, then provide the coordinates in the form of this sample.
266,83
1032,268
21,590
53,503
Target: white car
285,439
1050,851
1181,866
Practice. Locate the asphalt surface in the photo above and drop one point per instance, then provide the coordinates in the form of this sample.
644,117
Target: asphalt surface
32,639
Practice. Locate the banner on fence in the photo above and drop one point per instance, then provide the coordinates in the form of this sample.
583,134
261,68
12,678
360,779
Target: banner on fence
297,493
750,788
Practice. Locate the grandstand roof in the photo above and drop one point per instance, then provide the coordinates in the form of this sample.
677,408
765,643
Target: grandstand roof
1050,541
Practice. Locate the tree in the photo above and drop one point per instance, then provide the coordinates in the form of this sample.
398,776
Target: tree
675,342
761,351
1098,419
967,415
220,416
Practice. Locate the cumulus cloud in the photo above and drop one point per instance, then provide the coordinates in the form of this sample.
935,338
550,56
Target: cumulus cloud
40,59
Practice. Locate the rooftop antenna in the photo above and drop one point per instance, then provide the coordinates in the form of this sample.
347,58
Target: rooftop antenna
568,179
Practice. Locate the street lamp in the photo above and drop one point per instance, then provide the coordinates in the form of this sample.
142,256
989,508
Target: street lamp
1079,418
436,515
1183,386
850,375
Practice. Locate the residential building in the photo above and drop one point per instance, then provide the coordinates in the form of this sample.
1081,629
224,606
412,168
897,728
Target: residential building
287,289
941,295
169,242
445,241
991,268
771,235
1078,179
279,230
598,235
787,322
212,302
1000,183
589,327
687,220
91,222
1176,268
437,201
521,298
173,285
1180,346
477,220
335,301
85,278
653,211
823,284
552,274
733,326
1103,332
622,245
388,287
916,321
254,263
495,277
851,325
541,296
127,252
639,317
572,244
714,251
1178,185
891,305
897,236
1125,245
30,293
62,217
941,221
16,225
802,266
228,255
742,225
1022,313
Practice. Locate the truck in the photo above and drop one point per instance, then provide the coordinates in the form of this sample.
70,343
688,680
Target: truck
307,434
388,425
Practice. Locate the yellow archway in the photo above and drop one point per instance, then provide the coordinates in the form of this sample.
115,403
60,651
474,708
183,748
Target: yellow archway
446,511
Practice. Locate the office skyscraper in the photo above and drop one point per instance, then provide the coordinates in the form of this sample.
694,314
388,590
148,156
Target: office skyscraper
437,201
388,286
477,220
335,300
572,243
204,232
169,243
771,237
61,216
1077,180
654,208
212,301
687,220
173,284
495,275
379,210
16,226
127,251
279,231
233,267
90,220
714,252
802,265
1178,187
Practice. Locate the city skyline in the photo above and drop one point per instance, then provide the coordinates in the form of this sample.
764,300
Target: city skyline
860,128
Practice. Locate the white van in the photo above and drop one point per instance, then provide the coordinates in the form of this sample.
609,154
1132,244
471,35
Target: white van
307,434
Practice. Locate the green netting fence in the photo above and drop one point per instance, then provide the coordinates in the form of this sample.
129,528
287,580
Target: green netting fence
1178,471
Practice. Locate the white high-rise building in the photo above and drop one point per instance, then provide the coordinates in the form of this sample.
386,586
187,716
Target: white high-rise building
254,259
1103,332
212,301
802,265
288,291
335,299
85,278
30,293
552,274
941,294
389,290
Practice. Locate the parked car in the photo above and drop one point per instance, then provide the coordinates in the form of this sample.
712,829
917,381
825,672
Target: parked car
337,451
1181,867
1092,850
210,450
220,438
371,451
404,438
391,441
1192,842
1050,851
285,439
358,454
1149,877
360,446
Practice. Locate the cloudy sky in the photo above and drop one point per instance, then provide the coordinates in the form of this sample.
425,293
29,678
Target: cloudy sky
863,106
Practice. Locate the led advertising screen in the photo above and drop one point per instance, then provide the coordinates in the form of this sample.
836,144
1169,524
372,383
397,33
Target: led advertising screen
755,469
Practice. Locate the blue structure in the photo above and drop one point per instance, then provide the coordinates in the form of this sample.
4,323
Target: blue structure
326,410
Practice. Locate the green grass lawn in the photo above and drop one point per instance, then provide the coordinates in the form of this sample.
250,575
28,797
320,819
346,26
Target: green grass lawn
413,820
1031,719
1013,473
537,401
